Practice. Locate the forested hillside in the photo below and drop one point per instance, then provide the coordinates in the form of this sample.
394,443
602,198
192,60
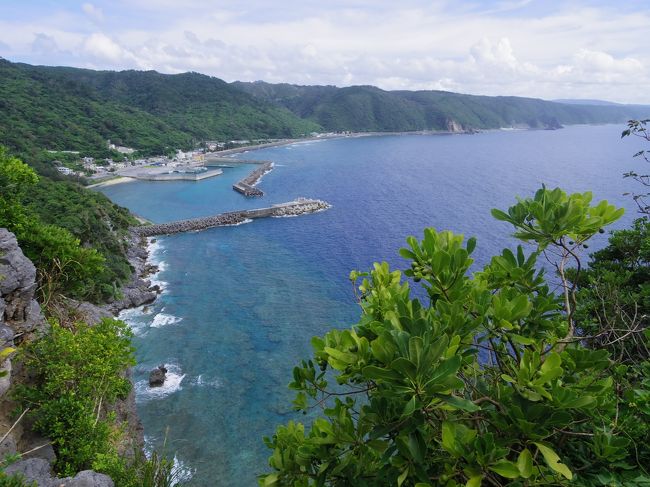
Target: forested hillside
75,109
366,108
78,109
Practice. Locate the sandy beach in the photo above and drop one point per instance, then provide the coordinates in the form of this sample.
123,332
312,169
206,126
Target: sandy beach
111,182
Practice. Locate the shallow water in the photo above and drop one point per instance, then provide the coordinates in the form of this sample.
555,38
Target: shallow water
241,303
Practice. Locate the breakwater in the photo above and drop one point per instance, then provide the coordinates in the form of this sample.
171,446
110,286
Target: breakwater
293,208
247,187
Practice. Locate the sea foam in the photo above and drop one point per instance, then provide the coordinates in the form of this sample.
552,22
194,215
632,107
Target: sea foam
173,383
163,319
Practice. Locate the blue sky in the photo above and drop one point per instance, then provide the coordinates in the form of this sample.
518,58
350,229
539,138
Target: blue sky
539,48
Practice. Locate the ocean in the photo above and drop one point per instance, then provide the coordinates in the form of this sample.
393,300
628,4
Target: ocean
241,303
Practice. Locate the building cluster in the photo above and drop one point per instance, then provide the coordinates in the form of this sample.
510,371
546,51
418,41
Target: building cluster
101,167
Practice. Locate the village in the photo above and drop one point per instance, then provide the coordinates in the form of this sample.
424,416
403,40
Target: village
97,169
178,165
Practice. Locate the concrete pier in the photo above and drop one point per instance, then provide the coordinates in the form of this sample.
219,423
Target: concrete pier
292,208
247,187
180,175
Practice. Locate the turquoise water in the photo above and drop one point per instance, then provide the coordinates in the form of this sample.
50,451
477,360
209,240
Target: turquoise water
241,303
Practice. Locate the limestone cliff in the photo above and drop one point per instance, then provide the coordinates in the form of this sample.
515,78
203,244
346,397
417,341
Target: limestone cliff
21,319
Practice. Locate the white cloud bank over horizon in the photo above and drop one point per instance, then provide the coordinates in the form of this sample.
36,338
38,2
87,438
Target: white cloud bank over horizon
529,48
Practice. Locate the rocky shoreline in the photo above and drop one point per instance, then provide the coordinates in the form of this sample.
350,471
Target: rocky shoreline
21,319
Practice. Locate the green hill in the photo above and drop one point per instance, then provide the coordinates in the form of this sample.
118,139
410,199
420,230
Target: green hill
366,108
78,109
62,108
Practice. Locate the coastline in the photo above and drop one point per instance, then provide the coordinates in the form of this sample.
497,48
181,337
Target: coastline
125,178
111,182
138,291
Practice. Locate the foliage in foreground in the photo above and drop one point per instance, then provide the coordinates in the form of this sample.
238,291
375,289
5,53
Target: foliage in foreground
78,374
488,383
139,471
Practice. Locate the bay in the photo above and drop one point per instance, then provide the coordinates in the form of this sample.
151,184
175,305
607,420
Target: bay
241,303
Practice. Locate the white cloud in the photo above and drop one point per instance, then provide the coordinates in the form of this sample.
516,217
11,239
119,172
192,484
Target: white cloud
569,51
605,63
93,12
102,48
44,44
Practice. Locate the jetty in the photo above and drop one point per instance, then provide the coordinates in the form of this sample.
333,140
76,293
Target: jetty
298,207
247,187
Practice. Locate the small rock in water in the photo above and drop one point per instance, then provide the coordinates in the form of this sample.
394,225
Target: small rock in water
157,376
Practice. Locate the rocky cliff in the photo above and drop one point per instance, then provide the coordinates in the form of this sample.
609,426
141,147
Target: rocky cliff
21,319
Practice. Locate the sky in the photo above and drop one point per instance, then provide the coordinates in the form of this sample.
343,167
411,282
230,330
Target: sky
551,49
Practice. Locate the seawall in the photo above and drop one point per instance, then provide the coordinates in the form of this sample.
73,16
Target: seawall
292,208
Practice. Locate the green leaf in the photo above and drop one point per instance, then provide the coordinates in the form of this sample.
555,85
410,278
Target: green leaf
460,403
500,215
521,340
525,463
377,373
506,469
271,479
409,409
553,461
345,357
449,438
471,244
553,361
402,477
405,367
474,481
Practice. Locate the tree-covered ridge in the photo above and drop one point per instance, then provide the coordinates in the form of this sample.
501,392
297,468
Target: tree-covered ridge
77,109
62,108
366,108
75,237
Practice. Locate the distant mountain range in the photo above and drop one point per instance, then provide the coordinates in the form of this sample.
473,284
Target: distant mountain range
64,108
366,108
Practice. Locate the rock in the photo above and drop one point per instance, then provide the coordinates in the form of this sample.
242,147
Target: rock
8,446
157,376
20,311
5,381
454,127
6,335
71,310
38,470
41,446
87,478
34,470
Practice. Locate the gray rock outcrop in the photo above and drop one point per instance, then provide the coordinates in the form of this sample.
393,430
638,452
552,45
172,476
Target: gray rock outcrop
157,376
19,310
21,318
138,290
38,470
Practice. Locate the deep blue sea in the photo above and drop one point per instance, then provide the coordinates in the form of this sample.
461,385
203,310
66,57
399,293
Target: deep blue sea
241,303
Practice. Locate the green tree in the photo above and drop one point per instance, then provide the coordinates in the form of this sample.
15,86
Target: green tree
78,374
639,128
488,383
64,265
